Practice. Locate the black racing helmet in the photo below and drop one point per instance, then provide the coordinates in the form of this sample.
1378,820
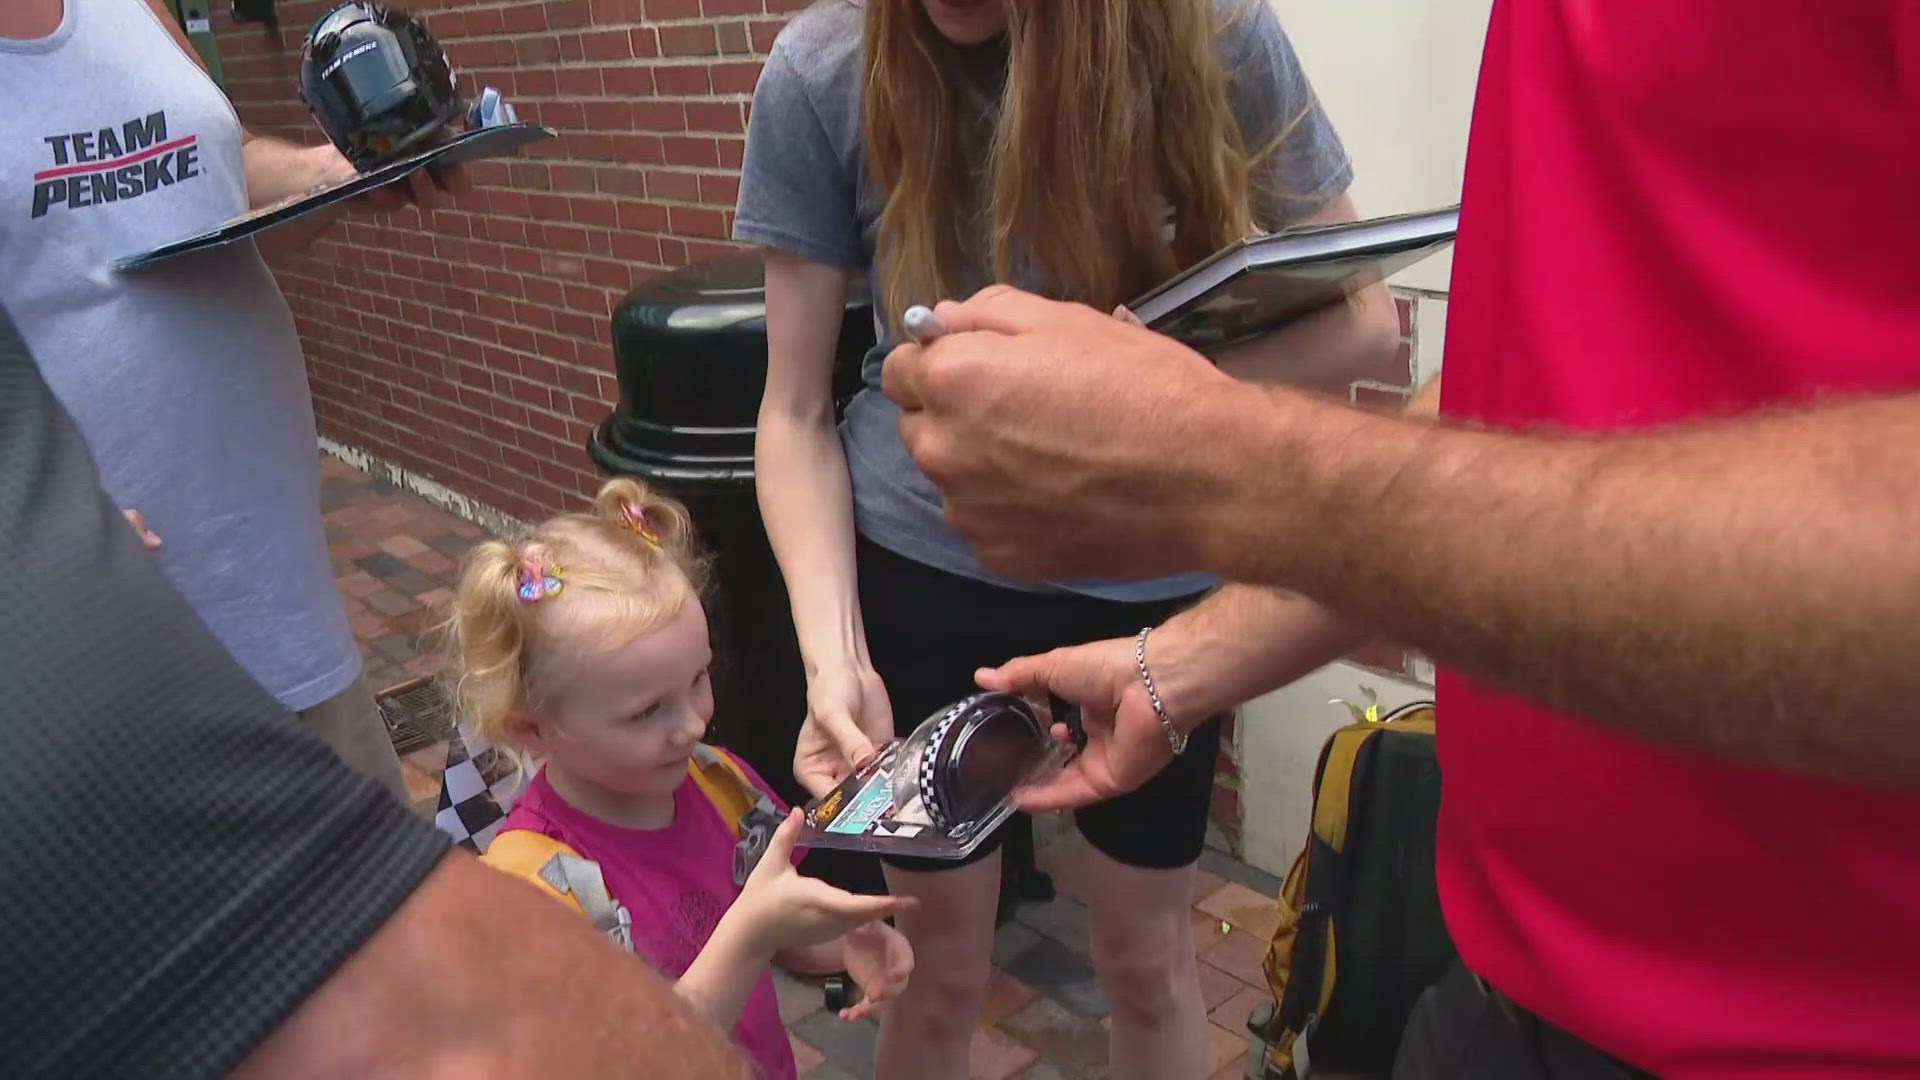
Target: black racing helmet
377,82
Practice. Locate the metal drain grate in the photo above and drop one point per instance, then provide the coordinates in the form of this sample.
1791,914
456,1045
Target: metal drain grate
416,714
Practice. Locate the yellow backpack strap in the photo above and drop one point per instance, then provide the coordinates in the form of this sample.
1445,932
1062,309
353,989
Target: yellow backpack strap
1301,961
562,873
522,852
723,783
1310,952
749,812
1417,716
1333,785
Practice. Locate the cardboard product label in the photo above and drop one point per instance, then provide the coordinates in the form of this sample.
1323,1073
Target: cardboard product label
878,809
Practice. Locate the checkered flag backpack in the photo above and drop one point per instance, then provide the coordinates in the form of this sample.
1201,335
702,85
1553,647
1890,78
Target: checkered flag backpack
476,790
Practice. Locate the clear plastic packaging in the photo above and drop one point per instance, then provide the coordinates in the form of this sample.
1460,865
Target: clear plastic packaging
944,788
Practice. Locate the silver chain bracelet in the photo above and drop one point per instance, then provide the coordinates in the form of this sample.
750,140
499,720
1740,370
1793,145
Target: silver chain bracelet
1175,737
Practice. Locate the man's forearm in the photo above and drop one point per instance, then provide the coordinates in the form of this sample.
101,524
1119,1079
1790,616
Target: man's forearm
480,975
1246,640
1240,642
277,169
1745,587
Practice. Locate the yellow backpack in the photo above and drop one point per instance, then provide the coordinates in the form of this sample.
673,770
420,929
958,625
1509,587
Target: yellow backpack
564,874
1360,934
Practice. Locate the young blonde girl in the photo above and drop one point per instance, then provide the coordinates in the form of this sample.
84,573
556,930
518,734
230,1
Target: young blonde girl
582,648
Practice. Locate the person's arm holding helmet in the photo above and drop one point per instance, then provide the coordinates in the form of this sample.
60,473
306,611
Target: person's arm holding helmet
278,170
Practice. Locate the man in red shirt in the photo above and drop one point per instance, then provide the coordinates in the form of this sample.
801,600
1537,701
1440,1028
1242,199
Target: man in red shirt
1664,544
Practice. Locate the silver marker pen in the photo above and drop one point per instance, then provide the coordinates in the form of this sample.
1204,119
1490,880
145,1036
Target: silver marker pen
921,324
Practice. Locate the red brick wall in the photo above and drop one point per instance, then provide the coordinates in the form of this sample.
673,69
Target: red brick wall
474,349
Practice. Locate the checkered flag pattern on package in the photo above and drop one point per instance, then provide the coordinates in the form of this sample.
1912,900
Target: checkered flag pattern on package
476,790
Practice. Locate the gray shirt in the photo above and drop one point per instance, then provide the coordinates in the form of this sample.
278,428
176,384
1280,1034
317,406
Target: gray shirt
186,378
805,189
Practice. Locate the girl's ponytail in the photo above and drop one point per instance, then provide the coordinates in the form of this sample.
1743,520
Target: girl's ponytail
656,520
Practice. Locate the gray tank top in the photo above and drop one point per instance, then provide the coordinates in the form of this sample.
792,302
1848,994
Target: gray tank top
186,378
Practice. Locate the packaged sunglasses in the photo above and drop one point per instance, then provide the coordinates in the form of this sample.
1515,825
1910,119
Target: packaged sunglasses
942,790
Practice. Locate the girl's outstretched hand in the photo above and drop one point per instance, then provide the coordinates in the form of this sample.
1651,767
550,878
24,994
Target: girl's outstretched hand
880,961
784,909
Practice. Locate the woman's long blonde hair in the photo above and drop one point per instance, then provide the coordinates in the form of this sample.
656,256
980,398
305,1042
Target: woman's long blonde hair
1113,110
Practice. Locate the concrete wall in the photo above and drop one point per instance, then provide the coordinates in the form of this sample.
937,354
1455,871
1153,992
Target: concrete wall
1280,738
1397,76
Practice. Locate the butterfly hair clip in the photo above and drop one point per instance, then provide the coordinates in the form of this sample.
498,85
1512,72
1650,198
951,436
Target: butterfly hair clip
538,580
636,519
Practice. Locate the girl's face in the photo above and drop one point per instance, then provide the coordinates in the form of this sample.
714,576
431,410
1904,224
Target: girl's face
625,717
968,22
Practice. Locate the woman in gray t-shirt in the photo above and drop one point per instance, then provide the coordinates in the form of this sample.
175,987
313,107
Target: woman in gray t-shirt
1085,149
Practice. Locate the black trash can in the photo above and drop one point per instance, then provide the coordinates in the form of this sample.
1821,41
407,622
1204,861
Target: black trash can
690,350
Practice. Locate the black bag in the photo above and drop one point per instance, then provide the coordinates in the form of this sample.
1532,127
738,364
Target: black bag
1360,935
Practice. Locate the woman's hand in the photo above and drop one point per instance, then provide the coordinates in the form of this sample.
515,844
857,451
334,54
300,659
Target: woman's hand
848,717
